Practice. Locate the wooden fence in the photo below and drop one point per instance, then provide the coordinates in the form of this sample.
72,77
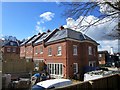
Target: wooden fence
17,66
106,83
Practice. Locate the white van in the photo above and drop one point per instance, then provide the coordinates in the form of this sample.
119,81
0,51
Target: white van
52,83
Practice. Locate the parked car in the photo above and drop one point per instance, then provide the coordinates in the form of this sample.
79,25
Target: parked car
52,83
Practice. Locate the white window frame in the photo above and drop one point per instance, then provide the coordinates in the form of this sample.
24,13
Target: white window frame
49,51
59,50
100,55
75,67
92,63
36,50
55,69
90,50
75,50
8,49
41,49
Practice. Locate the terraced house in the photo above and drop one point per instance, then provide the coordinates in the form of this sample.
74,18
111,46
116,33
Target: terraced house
65,51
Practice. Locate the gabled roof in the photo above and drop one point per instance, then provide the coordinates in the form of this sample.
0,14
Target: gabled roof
57,35
33,39
26,41
42,38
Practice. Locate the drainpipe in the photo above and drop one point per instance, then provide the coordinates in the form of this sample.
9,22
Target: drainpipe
67,69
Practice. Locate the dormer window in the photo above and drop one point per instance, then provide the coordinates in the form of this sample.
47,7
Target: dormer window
11,43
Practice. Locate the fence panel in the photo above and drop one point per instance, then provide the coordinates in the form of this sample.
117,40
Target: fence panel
112,82
106,83
17,66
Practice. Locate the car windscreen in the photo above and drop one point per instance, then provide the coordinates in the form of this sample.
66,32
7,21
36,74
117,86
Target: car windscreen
36,87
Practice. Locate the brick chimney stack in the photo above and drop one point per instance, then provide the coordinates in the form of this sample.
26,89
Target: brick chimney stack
61,27
48,31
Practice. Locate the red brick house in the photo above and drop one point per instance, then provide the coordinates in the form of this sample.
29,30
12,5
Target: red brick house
65,52
10,51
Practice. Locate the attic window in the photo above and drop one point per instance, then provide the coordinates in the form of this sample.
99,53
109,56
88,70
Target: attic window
11,43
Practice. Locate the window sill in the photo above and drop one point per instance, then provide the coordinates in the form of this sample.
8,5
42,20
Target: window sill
50,55
59,55
74,54
41,53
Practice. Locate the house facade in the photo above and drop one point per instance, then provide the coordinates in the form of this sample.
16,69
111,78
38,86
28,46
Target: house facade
65,52
10,51
108,59
103,57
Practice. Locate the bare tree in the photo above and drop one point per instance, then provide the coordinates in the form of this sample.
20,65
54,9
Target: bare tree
108,12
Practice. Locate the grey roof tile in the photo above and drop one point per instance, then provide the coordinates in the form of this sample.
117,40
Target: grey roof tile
11,43
69,33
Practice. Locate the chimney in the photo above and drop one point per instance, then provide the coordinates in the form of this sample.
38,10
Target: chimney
61,27
111,51
48,31
39,33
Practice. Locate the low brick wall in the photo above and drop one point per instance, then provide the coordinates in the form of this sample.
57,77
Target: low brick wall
110,82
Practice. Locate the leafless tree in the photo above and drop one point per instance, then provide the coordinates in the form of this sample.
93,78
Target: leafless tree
109,10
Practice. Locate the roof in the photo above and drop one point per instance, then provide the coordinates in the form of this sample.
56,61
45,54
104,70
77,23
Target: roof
33,39
101,52
1,42
26,41
11,43
69,33
48,83
57,35
43,37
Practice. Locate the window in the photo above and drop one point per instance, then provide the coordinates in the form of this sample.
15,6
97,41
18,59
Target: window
11,43
30,48
92,63
75,67
100,55
14,49
74,49
41,50
90,50
55,68
37,63
36,50
49,51
26,49
59,50
8,49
